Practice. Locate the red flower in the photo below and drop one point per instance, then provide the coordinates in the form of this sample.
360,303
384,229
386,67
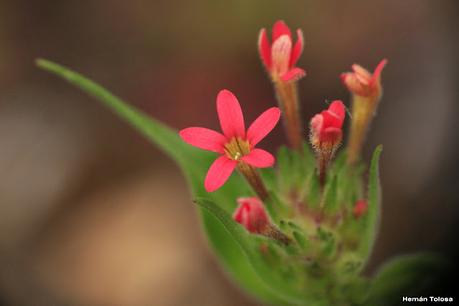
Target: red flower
326,127
361,82
281,56
252,215
360,208
235,144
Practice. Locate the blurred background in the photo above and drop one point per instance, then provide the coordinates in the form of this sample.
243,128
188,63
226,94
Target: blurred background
92,214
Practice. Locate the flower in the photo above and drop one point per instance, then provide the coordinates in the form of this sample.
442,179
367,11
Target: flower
366,92
362,83
236,145
326,127
360,208
281,56
252,215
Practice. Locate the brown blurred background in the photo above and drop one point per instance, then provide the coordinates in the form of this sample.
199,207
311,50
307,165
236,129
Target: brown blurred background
92,214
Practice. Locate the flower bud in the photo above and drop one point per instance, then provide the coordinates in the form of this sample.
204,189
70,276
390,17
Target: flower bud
252,215
326,135
326,127
360,208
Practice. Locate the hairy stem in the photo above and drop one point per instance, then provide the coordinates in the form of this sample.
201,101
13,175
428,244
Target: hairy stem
254,179
287,96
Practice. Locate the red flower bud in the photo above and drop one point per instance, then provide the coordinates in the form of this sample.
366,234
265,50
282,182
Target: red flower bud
326,127
360,208
326,135
252,215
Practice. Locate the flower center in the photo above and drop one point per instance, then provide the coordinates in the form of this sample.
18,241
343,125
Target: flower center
236,148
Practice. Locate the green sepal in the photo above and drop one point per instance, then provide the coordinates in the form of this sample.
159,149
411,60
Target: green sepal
369,222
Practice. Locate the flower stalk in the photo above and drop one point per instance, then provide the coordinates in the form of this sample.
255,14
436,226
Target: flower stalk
287,97
254,180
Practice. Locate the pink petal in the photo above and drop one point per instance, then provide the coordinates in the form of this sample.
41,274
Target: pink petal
230,114
353,84
218,173
362,79
331,120
280,54
203,138
259,158
297,48
279,29
264,48
293,74
317,123
337,107
378,70
263,125
361,71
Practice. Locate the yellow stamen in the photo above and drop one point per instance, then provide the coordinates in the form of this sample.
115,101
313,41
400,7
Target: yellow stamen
236,148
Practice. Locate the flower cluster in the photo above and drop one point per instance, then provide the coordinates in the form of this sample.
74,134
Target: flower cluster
236,146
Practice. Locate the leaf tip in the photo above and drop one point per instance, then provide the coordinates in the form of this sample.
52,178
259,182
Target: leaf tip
41,62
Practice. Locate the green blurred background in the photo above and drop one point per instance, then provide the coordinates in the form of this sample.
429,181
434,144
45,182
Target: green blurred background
92,214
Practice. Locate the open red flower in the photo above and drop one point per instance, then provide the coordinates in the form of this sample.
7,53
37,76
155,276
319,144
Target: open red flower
362,83
251,214
236,145
326,127
281,56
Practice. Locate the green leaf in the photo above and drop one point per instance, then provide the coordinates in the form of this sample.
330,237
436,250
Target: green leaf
370,221
408,275
194,164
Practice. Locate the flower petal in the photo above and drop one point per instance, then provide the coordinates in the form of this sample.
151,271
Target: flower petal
353,84
263,125
264,48
331,120
280,54
259,158
378,70
203,138
218,173
230,114
293,74
297,48
279,29
337,108
362,72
